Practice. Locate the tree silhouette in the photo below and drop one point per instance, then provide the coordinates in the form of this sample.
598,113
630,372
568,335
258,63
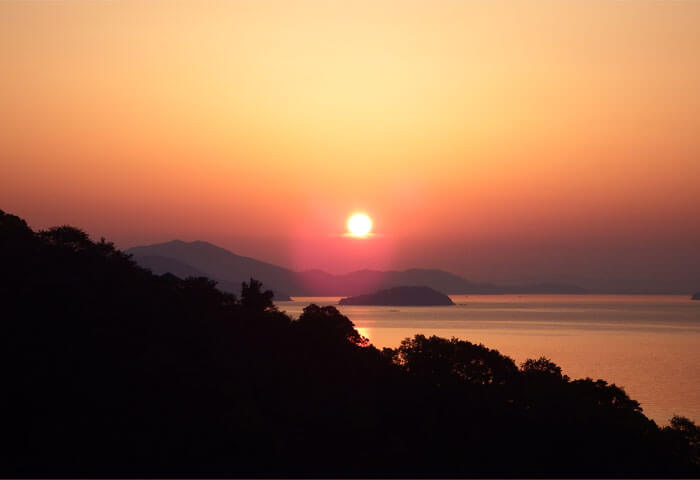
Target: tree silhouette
543,368
441,358
67,236
687,437
254,298
328,323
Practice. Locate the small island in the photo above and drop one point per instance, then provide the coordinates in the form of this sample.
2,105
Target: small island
696,296
401,296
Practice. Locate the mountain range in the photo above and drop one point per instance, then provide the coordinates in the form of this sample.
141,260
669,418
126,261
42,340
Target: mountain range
200,258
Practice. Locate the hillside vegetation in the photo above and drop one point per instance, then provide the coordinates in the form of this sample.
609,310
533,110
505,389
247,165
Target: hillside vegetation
109,369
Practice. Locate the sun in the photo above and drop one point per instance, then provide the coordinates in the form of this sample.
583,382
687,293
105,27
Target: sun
359,225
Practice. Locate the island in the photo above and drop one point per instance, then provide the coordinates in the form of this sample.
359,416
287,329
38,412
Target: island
696,296
401,296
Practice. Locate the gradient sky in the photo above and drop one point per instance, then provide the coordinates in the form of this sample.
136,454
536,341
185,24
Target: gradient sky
506,141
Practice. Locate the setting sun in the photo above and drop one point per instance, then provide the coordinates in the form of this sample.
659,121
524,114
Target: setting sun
359,225
516,291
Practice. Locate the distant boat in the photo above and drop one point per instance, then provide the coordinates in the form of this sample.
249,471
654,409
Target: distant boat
696,296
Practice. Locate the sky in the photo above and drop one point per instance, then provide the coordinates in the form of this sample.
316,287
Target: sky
505,141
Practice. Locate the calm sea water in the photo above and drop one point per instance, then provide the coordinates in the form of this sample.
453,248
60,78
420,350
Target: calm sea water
648,344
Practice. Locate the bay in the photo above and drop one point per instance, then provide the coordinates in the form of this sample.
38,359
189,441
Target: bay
647,344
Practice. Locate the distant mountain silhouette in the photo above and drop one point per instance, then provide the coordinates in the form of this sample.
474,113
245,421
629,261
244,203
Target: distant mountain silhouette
356,283
362,281
196,259
160,265
400,296
229,268
696,296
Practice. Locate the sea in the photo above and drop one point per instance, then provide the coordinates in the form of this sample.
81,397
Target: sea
647,344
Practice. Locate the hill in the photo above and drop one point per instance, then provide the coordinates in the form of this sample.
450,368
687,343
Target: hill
229,270
400,296
227,267
113,371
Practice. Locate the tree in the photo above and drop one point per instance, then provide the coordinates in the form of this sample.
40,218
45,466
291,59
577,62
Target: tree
328,324
442,358
543,368
688,435
14,231
67,236
253,298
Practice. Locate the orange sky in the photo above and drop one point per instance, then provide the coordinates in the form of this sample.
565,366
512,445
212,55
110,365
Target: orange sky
490,138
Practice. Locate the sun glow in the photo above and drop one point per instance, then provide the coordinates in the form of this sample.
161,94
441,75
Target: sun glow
359,225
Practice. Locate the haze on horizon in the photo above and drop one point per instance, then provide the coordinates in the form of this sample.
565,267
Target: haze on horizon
503,141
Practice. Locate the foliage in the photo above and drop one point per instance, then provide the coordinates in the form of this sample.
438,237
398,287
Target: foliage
329,325
440,358
254,298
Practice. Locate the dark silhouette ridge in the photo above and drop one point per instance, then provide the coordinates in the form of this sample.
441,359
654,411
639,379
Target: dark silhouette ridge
696,296
400,296
110,370
160,265
219,263
227,268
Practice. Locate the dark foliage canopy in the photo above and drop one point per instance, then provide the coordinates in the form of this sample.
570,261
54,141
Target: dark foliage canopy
110,370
